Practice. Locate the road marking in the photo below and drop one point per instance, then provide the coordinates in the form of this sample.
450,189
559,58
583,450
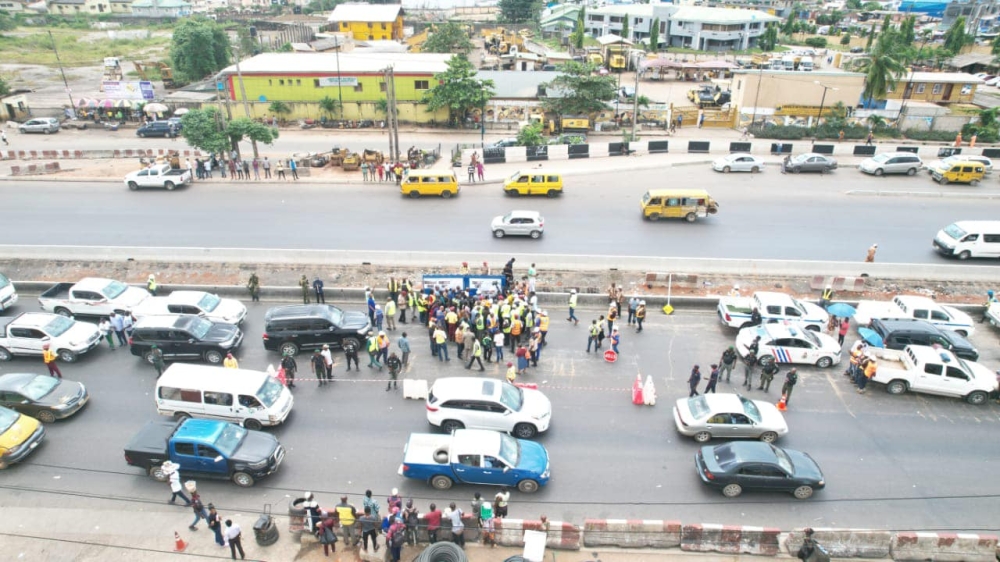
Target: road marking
840,395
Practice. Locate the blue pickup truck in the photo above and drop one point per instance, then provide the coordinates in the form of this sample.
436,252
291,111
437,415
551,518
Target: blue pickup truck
205,449
475,456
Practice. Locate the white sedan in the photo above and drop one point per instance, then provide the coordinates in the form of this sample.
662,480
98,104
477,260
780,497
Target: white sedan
789,343
739,162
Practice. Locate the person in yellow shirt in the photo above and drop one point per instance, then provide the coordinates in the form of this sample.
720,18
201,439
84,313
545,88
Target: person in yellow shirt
230,362
870,368
441,343
49,357
511,372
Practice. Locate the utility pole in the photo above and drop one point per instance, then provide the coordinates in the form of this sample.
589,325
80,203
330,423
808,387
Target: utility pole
72,106
246,104
340,88
391,113
635,101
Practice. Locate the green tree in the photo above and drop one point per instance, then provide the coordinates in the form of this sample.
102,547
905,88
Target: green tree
584,92
4,87
286,48
200,47
882,69
769,39
907,31
816,42
957,37
995,45
459,90
448,38
986,129
531,135
625,29
788,27
7,22
329,106
846,39
853,4
279,108
204,130
246,46
519,11
871,38
579,30
871,7
654,35
245,128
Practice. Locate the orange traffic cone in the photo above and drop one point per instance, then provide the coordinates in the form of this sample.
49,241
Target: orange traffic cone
783,403
637,391
179,544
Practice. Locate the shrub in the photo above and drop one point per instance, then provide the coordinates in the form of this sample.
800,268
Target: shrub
816,42
915,134
846,39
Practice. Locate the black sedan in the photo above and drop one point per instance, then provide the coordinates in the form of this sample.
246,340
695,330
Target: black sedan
42,397
736,466
810,162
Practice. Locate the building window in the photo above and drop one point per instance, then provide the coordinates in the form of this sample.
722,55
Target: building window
616,19
638,20
281,82
315,82
383,27
921,88
298,82
370,25
381,87
938,88
359,87
270,82
421,85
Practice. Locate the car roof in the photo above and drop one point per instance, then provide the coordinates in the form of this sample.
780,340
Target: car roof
780,330
14,381
33,319
92,283
186,297
739,155
204,431
467,387
909,324
483,441
179,321
776,297
723,402
298,311
525,214
917,300
206,377
750,451
678,193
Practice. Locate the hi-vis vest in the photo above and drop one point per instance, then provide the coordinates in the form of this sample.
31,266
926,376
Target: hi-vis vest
827,294
479,322
372,344
543,323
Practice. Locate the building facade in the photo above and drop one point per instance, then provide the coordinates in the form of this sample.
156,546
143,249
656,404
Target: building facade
161,8
693,27
77,7
936,87
367,22
762,91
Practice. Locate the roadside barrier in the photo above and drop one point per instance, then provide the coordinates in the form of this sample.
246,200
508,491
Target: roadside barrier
943,547
561,536
730,539
845,543
632,533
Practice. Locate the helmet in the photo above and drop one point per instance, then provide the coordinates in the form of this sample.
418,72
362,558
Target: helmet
572,291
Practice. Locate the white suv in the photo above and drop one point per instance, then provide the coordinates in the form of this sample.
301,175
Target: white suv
892,163
479,403
518,223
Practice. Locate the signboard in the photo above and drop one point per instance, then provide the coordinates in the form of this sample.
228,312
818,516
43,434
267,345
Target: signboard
442,283
487,284
338,81
120,90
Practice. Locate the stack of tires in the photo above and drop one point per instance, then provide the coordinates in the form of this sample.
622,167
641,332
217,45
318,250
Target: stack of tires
442,552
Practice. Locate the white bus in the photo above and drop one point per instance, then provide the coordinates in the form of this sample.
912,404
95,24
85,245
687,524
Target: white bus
250,398
969,239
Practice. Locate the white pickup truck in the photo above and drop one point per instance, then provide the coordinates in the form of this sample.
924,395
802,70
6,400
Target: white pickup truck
160,175
91,296
921,308
8,295
27,333
925,369
773,307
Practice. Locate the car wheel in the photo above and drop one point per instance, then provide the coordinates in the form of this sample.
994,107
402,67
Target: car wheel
768,437
66,356
414,195
252,424
654,217
141,135
732,490
45,416
977,398
964,255
896,387
243,480
290,348
796,170
803,492
911,172
22,131
525,431
878,171
824,363
133,186
514,193
64,312
554,193
765,360
46,131
726,170
974,183
691,217
703,437
943,181
350,342
440,482
754,170
214,357
5,355
169,185
446,194
181,416
527,486
156,473
449,426
498,233
536,234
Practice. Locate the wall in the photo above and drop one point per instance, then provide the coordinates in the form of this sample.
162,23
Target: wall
301,87
409,112
928,93
779,88
374,31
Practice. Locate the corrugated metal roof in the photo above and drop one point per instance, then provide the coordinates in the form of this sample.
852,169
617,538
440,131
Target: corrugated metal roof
941,78
354,62
366,12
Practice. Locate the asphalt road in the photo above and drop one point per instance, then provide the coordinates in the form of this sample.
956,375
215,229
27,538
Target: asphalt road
903,462
765,216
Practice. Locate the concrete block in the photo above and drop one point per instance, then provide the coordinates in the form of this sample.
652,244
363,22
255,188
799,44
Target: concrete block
632,533
561,536
845,543
943,547
415,389
730,539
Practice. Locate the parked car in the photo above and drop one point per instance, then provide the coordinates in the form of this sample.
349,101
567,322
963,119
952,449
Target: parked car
184,336
504,143
476,403
44,125
91,296
735,312
289,329
208,306
810,162
161,175
518,223
945,163
8,294
569,138
891,163
790,342
158,129
19,436
29,332
934,371
899,333
728,416
738,162
43,397
919,307
747,465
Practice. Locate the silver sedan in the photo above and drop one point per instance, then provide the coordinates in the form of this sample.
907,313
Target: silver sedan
739,162
810,162
728,416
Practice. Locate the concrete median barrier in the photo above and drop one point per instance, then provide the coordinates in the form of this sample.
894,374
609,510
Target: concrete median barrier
632,533
730,539
845,543
943,547
560,536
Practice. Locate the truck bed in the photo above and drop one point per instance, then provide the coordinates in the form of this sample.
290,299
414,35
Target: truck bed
421,449
57,291
152,439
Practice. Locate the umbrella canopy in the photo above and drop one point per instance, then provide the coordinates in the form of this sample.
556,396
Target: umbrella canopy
841,310
721,64
106,104
871,336
155,108
659,63
86,102
124,104
181,111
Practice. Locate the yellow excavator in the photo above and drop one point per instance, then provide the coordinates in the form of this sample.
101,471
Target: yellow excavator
166,73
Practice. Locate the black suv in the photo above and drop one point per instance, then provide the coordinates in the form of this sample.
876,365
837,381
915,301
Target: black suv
185,336
158,129
897,334
308,326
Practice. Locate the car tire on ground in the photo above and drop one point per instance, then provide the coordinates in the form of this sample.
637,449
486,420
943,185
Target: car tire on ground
133,186
726,170
536,234
252,424
552,193
732,490
243,480
964,255
896,386
977,398
289,348
824,363
66,355
214,357
449,426
702,437
64,312
156,473
654,217
765,360
46,416
525,431
169,185
878,171
527,486
446,194
754,170
5,355
691,217
796,170
768,437
441,482
911,172
498,233
803,492
413,195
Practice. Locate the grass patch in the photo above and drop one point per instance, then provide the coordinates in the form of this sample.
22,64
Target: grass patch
31,47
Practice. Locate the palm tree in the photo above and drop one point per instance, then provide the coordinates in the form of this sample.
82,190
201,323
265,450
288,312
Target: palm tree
329,106
280,109
882,70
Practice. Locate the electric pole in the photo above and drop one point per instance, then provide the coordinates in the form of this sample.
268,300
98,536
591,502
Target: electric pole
246,104
69,92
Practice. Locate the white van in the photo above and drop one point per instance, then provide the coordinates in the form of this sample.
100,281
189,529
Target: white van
8,295
788,62
969,239
806,64
251,398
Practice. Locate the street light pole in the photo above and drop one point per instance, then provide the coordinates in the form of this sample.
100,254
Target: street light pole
340,88
822,100
482,115
69,92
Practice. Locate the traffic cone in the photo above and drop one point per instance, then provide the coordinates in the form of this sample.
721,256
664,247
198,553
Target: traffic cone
637,391
783,403
649,392
179,544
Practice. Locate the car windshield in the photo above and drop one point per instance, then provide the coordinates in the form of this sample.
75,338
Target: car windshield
810,336
645,198
4,281
209,302
229,440
510,449
783,460
270,391
113,289
39,387
336,316
955,232
801,158
880,158
7,419
511,396
751,410
698,406
515,176
58,326
200,328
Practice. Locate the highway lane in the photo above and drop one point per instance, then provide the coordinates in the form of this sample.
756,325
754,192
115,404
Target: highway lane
765,216
890,461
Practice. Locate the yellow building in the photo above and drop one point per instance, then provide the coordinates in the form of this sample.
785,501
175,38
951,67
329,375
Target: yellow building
302,79
936,87
369,22
779,88
77,7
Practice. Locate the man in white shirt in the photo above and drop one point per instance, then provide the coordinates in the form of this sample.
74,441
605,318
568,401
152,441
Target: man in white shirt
328,358
234,538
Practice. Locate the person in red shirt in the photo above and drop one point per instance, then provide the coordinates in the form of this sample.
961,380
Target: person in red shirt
433,519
